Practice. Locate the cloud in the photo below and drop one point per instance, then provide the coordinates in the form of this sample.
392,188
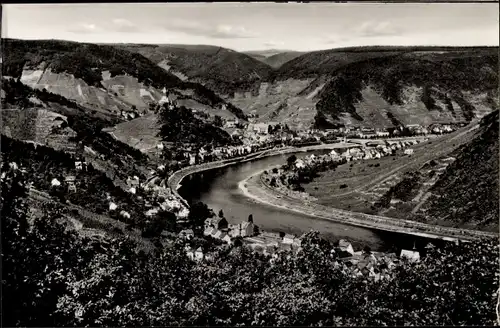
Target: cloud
374,29
216,32
274,44
369,29
334,39
124,25
85,28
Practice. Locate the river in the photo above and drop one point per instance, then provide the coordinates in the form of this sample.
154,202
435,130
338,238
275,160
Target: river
218,188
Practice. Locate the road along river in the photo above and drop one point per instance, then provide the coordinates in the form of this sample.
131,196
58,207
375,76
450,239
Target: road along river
219,189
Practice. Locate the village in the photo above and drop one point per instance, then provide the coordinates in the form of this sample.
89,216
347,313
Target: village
254,138
362,262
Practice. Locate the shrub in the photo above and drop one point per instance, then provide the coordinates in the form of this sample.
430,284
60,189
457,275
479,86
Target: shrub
343,186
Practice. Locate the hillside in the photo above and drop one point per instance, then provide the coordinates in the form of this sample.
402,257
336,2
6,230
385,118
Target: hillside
364,86
279,59
220,69
49,119
180,125
467,191
273,57
102,76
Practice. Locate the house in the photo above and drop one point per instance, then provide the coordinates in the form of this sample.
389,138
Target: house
344,249
79,165
70,181
186,234
192,159
183,213
408,151
300,164
159,146
208,231
262,128
382,134
164,99
112,206
54,182
217,223
288,239
231,123
227,239
199,255
218,234
413,256
125,214
132,190
334,154
152,212
133,182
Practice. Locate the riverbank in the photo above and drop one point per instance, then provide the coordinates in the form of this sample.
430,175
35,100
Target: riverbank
256,189
176,178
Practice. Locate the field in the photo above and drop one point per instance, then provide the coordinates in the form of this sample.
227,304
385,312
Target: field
365,182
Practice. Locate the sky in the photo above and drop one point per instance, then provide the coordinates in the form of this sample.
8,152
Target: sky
258,26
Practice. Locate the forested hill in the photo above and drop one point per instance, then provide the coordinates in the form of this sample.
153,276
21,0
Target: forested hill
97,65
220,69
443,78
180,125
83,60
468,189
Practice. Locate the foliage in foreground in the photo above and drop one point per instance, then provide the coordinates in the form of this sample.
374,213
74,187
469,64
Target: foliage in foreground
52,277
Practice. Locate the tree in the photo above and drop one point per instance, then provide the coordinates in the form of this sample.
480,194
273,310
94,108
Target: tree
162,221
291,160
198,213
218,121
221,213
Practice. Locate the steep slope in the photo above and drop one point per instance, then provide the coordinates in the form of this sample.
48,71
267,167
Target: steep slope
220,69
102,76
49,119
365,86
467,192
415,87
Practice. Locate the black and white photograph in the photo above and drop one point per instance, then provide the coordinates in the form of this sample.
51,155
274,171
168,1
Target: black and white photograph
250,164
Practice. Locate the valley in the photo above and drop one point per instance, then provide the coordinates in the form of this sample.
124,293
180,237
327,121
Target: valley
178,172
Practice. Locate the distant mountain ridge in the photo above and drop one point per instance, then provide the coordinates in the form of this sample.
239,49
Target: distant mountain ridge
364,86
219,69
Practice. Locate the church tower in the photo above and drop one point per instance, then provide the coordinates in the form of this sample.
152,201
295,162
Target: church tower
164,98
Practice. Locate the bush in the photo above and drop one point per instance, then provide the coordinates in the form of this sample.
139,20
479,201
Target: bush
343,186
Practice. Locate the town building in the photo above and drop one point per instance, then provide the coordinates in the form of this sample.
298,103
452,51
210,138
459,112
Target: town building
186,234
344,249
413,255
112,206
70,182
164,99
217,223
55,183
408,151
288,239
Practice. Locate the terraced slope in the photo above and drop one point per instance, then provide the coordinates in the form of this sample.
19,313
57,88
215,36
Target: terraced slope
367,86
101,76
